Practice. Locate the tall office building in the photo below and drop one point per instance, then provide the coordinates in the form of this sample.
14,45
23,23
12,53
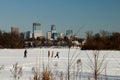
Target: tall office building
37,30
49,35
28,35
15,30
53,32
53,29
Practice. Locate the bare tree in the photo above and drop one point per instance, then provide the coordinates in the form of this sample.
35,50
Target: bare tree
16,72
74,61
97,64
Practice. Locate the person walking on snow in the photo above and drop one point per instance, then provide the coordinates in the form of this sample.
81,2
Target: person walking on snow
25,53
57,55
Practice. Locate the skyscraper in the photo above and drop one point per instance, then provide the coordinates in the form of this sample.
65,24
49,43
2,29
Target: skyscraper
49,35
28,35
37,30
53,32
15,30
53,29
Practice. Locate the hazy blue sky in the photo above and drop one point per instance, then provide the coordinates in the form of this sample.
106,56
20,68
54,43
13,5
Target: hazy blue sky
91,15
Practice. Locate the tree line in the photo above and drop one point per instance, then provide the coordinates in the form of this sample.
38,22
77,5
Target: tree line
103,40
10,40
13,40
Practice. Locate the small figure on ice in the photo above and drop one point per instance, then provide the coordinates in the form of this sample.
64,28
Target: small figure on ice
25,53
57,55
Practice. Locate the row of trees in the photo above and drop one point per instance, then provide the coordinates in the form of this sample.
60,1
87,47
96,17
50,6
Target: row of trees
13,40
10,40
99,41
102,41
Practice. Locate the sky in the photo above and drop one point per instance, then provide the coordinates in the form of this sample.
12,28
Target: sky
79,15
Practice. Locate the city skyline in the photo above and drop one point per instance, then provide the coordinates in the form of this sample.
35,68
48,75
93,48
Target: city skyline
66,15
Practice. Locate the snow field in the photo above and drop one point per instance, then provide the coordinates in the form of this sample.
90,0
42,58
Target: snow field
39,56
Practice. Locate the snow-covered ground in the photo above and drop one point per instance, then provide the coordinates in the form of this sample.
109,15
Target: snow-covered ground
38,56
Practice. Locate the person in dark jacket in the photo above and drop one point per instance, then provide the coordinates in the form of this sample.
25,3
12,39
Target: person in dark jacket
57,55
25,53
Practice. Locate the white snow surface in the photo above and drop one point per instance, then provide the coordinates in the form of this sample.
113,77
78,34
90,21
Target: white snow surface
36,57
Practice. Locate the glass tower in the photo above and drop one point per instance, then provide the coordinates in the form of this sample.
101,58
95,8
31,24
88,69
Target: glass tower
37,30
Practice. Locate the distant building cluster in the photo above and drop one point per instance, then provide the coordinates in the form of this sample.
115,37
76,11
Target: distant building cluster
37,32
15,30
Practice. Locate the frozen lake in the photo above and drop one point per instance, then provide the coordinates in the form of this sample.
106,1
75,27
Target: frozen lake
39,56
